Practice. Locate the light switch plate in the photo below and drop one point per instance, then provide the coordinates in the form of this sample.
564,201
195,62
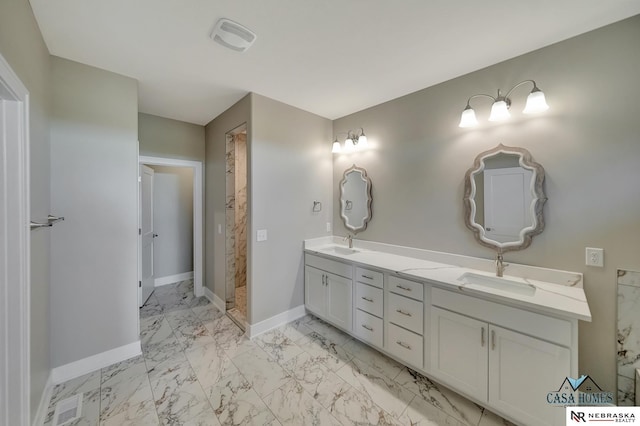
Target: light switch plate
261,235
594,257
328,226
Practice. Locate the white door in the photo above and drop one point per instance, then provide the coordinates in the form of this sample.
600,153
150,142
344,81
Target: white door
339,302
315,292
507,202
146,233
459,355
522,370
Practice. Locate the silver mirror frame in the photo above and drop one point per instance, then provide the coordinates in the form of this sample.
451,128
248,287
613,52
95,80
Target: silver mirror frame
344,217
537,203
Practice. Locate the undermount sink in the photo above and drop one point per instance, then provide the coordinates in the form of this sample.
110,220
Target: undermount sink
498,283
345,251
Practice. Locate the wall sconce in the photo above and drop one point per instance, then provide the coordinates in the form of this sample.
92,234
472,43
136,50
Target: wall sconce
351,143
500,108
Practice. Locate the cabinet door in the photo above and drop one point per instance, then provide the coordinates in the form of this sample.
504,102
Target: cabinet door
522,370
339,301
315,291
459,355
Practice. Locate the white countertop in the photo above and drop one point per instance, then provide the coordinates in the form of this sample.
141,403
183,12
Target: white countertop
563,298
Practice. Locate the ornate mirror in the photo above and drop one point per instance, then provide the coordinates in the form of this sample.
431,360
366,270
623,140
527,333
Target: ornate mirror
355,199
503,198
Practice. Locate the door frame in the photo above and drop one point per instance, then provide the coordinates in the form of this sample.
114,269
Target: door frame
15,282
198,223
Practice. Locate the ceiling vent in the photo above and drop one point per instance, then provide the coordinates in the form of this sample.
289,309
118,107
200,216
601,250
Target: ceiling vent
233,35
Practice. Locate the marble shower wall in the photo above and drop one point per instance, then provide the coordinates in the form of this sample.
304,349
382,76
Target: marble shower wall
236,215
628,335
241,209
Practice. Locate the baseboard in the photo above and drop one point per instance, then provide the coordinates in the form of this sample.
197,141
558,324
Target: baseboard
43,406
95,362
275,321
213,298
170,279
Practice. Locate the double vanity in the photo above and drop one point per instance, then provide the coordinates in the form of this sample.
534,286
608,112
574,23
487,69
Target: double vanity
504,343
505,336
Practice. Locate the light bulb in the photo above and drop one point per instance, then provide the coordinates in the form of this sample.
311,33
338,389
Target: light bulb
468,118
499,111
535,102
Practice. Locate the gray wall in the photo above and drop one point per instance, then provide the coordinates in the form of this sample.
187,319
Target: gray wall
94,131
172,220
215,166
587,142
22,46
164,137
289,167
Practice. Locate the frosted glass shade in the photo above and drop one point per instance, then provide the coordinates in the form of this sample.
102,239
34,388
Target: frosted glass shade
362,142
468,118
336,147
348,145
536,102
499,111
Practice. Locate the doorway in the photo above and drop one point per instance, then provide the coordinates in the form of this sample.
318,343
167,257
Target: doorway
14,249
236,225
195,168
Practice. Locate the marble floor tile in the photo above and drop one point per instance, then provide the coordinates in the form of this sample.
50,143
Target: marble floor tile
351,407
296,330
151,307
146,416
317,379
176,405
280,347
132,396
422,413
235,403
160,353
85,384
205,419
325,350
207,312
123,370
384,392
490,419
210,364
328,331
264,374
378,361
441,397
90,414
155,331
293,406
229,336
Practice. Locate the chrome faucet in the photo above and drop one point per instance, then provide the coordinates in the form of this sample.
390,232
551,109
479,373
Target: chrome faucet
349,238
500,265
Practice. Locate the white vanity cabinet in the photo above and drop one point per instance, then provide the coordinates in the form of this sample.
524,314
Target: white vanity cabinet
510,360
328,289
404,320
369,306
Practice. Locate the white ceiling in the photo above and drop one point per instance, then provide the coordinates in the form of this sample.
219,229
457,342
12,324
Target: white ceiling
330,57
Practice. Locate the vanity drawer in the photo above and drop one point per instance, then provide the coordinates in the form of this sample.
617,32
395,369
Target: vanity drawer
407,288
369,277
369,328
404,344
328,265
406,313
369,299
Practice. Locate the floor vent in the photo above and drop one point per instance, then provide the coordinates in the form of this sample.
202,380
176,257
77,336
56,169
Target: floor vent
67,410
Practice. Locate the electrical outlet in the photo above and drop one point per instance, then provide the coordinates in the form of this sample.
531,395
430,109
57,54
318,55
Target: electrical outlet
594,257
261,235
328,226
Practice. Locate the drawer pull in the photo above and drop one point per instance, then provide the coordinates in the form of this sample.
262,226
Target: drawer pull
367,299
493,340
366,327
404,345
400,311
482,337
403,288
367,277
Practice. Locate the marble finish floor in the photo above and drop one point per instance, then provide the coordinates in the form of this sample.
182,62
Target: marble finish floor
197,368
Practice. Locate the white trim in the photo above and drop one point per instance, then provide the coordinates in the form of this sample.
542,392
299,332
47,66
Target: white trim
43,406
15,280
198,203
171,279
95,362
275,321
213,298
